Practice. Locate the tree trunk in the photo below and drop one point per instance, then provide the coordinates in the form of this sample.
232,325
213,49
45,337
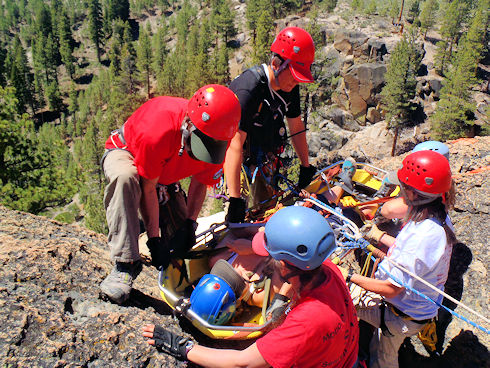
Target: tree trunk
395,138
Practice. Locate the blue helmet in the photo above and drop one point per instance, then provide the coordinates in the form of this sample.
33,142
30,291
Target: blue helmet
299,236
213,299
436,146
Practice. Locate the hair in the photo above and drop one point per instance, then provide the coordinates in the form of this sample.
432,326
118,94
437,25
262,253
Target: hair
309,279
437,210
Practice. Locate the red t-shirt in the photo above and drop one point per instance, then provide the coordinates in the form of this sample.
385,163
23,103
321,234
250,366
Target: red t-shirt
321,331
152,134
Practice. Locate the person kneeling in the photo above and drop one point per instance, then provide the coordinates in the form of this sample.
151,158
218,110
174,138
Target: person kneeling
320,329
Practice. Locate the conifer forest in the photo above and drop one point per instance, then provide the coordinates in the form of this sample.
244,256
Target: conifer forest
71,71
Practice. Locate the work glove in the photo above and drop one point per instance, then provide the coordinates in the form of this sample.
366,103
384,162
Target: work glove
170,343
305,175
183,239
277,308
160,254
371,232
236,210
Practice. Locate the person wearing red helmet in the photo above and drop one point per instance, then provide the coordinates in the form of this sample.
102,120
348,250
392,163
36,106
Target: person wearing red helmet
268,93
165,140
423,246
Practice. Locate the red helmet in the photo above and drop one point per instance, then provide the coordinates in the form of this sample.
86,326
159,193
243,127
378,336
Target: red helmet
215,112
296,45
427,172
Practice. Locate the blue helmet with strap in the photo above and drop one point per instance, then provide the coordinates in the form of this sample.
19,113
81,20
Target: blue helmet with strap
436,146
213,300
300,236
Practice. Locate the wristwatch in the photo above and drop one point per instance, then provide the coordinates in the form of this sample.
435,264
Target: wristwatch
349,275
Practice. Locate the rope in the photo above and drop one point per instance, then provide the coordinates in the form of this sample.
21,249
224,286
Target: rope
474,324
447,296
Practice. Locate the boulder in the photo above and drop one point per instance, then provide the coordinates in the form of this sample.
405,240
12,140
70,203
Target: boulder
349,42
376,49
373,115
435,86
363,83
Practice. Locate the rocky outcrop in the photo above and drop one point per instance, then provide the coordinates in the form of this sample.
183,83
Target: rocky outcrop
52,315
363,84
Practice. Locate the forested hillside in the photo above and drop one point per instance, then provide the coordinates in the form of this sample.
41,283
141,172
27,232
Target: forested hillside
73,70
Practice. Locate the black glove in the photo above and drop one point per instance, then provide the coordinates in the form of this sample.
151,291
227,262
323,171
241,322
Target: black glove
236,210
183,239
305,175
172,344
160,254
277,307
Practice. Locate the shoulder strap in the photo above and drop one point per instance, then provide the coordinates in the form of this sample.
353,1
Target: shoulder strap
258,72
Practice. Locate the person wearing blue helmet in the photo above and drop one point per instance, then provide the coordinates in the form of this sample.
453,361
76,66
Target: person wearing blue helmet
213,299
435,146
397,208
320,328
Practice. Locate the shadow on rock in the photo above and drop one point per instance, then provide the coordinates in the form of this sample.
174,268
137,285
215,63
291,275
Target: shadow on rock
464,351
142,301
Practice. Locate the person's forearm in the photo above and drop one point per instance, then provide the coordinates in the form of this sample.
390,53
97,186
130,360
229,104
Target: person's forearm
299,140
195,198
394,209
149,207
225,358
233,164
387,240
382,287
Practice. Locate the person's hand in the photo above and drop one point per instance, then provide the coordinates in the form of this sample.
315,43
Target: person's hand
168,342
305,175
183,239
160,254
236,210
277,308
241,246
371,232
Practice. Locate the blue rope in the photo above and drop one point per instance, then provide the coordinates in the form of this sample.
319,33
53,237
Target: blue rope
474,324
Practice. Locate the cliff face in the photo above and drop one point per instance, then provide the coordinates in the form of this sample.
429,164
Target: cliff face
52,315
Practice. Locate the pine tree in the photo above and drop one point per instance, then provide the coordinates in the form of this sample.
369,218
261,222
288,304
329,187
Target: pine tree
95,25
117,9
160,50
400,84
413,11
454,14
455,110
252,15
428,15
20,76
66,42
226,20
31,174
222,65
144,58
53,96
264,37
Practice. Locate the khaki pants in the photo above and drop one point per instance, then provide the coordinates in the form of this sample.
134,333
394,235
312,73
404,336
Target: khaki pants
121,201
383,349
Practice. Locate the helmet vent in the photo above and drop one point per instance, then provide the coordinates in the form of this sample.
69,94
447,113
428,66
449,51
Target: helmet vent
205,116
302,249
429,180
296,49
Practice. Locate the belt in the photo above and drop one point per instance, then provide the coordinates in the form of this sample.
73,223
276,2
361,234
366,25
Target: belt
399,313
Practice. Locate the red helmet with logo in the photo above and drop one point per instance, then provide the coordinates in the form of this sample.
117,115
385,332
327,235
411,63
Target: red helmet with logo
215,112
296,45
427,172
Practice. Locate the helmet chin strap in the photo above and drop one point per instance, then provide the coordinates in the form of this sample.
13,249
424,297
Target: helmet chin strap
278,71
186,129
423,199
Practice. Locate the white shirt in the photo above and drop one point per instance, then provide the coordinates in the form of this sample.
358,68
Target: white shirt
421,248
